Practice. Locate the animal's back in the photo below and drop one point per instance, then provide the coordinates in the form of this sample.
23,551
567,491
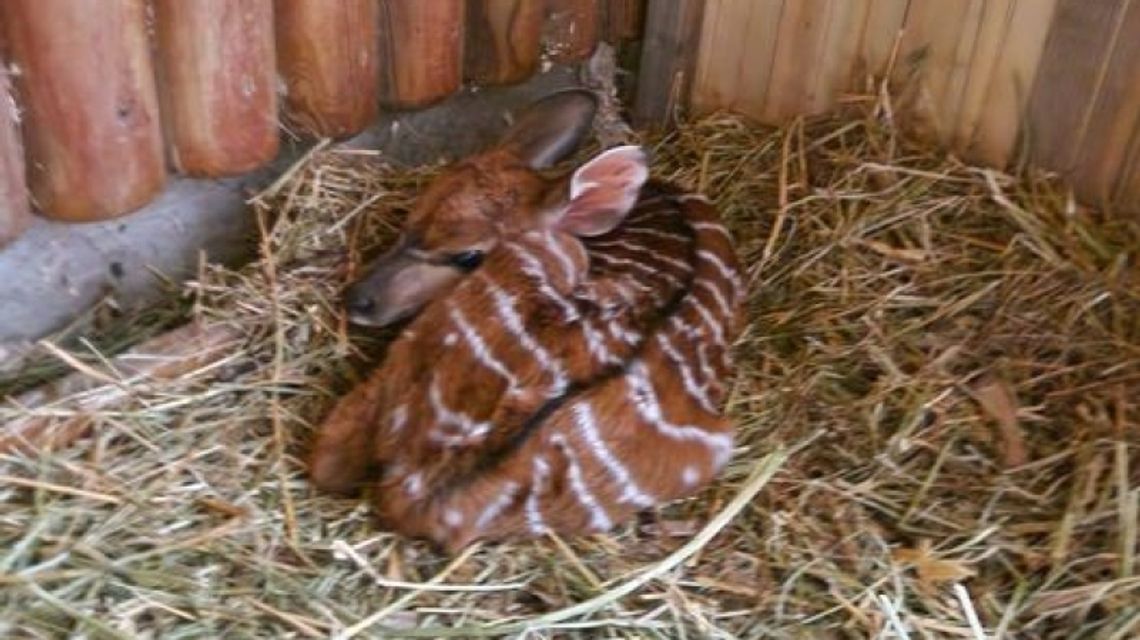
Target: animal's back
544,404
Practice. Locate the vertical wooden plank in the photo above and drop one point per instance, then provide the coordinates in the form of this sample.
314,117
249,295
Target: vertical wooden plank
836,52
504,39
937,46
421,47
623,20
572,29
798,43
15,214
884,19
816,48
1126,200
757,58
995,104
668,59
328,55
91,124
961,66
775,60
715,83
1115,113
1070,72
217,79
992,28
737,47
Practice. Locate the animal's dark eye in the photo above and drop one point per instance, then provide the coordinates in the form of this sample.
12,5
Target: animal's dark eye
467,261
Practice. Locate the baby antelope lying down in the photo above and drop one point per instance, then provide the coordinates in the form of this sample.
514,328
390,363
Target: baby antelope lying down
568,353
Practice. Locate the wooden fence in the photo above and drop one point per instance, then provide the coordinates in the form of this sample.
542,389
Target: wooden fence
109,97
1054,82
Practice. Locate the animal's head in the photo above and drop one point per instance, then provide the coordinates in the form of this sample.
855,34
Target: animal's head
466,211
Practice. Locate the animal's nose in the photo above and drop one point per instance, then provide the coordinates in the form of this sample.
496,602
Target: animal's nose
359,302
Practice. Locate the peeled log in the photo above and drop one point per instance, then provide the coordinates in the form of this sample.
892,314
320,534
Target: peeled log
92,136
14,212
572,29
623,20
217,70
504,39
328,54
422,49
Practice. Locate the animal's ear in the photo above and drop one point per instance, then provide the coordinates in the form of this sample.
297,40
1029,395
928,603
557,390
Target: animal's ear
603,191
552,128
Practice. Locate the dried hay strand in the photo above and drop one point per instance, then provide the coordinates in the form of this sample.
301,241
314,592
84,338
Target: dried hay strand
936,408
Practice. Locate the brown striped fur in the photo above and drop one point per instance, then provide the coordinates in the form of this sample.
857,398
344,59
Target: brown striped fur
565,384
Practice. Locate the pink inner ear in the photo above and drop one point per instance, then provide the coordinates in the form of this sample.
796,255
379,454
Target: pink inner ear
603,190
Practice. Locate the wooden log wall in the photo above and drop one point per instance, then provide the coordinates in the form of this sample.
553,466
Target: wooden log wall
573,28
92,137
504,39
422,44
1053,82
115,93
15,212
218,76
329,57
623,20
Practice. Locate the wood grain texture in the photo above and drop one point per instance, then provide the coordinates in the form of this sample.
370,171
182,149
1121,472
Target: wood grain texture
1071,70
990,28
1127,196
986,79
1114,118
572,29
815,50
421,49
777,59
623,20
934,58
15,213
92,135
967,69
738,45
996,102
668,60
217,79
797,44
837,50
328,54
881,29
504,39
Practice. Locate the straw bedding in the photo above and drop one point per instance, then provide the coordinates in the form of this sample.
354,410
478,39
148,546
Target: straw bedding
937,410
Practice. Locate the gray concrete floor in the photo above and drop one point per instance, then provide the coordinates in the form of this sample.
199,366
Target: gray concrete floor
56,272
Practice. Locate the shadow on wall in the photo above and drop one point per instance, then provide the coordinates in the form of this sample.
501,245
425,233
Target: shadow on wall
55,272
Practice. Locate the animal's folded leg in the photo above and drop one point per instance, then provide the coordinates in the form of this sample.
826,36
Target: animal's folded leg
342,458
